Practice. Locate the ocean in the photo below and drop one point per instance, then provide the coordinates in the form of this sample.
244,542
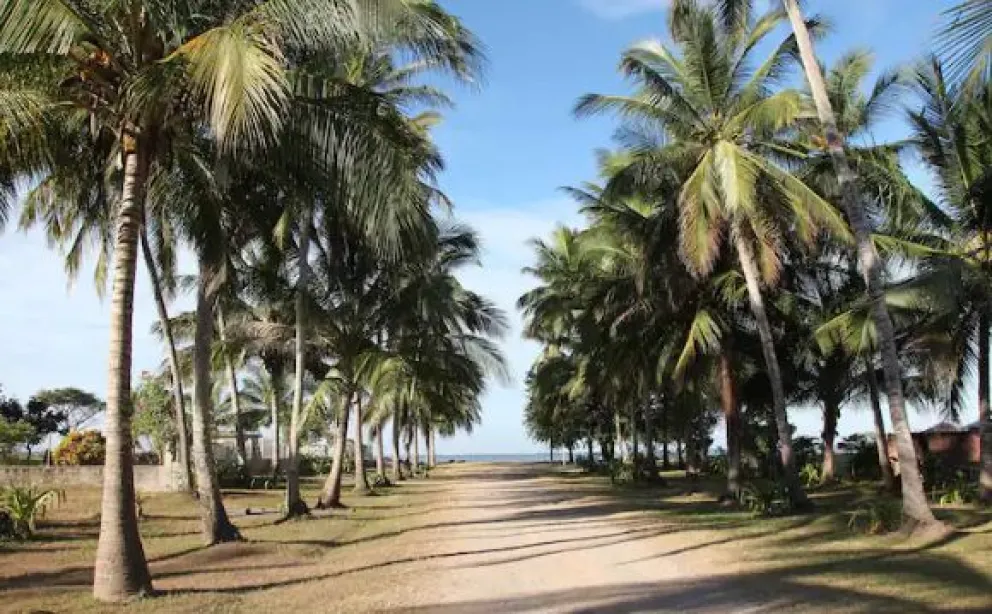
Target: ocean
496,458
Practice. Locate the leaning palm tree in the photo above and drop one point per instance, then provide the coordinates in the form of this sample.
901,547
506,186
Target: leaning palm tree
706,113
915,506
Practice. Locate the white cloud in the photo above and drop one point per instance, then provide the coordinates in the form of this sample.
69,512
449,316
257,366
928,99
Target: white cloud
622,9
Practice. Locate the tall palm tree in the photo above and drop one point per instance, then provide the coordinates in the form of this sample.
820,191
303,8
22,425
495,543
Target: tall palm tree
724,130
143,69
915,506
950,131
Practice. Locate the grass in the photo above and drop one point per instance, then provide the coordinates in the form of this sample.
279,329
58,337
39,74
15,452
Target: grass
345,557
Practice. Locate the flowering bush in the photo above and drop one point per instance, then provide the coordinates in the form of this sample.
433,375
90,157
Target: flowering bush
81,448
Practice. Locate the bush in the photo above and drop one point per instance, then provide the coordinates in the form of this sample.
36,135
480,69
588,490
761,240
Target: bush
807,451
810,475
314,465
717,464
877,517
232,474
863,463
766,498
25,504
81,448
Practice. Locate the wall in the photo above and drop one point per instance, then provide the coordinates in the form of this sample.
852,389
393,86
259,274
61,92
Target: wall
147,478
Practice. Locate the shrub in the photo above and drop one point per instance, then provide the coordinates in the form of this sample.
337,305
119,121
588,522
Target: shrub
863,463
25,504
717,464
807,451
810,475
877,517
766,498
314,465
232,474
81,448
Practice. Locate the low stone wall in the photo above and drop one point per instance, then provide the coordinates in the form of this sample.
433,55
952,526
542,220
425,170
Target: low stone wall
147,478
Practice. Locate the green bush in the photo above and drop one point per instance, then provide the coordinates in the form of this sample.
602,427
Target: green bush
25,504
810,475
717,464
877,517
314,465
766,498
232,474
81,448
863,460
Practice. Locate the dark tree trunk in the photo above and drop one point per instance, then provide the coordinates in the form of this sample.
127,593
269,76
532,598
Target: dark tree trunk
380,456
881,440
397,467
831,412
732,418
665,460
678,451
592,459
752,277
361,480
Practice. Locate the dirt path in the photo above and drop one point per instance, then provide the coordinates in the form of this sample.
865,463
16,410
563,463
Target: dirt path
514,539
507,539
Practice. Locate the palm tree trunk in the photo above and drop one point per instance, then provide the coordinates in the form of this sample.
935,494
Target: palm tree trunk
984,412
275,374
121,568
408,442
591,458
633,433
178,398
881,440
749,267
651,461
431,448
232,384
732,417
295,506
361,480
415,461
914,501
380,456
331,496
679,458
624,455
831,412
397,468
217,527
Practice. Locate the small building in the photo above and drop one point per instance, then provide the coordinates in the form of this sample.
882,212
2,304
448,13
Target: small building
955,444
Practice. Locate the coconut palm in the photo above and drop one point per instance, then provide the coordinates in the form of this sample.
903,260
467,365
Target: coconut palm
950,128
915,507
144,71
723,130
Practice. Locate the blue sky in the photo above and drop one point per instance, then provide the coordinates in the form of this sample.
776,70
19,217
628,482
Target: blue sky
509,147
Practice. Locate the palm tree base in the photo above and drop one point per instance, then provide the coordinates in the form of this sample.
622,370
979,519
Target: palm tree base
226,534
334,504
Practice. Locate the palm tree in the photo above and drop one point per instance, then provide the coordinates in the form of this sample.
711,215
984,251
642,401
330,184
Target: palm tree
725,130
950,130
966,39
143,96
915,506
